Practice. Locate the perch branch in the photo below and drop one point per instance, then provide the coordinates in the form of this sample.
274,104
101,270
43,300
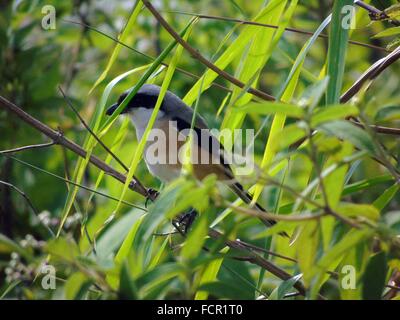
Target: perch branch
70,145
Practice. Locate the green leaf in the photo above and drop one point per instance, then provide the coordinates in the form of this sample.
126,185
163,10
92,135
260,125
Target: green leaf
255,58
122,38
306,249
8,246
388,33
347,131
63,249
112,238
338,42
223,290
128,241
358,210
154,279
127,288
209,275
265,108
286,95
331,113
284,288
196,238
388,113
267,15
387,196
366,184
76,286
334,256
375,277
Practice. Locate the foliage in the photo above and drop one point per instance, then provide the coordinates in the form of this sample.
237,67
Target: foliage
331,179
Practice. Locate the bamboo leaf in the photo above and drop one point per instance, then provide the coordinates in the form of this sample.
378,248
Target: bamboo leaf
338,42
388,33
385,198
264,108
347,131
331,113
122,38
209,275
284,288
375,277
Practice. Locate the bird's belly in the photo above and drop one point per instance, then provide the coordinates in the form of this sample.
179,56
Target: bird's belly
161,154
165,172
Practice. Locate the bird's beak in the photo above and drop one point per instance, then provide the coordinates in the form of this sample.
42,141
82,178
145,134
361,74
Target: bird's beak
111,109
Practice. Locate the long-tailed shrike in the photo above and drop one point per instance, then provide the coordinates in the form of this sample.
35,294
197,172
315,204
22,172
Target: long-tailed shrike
174,121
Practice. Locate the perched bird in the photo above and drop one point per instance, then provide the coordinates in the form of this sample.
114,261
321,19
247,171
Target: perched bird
174,121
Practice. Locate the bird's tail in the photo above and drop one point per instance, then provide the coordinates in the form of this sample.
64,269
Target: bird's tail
248,198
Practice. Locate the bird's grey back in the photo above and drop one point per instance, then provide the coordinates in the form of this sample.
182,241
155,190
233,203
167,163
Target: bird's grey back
173,105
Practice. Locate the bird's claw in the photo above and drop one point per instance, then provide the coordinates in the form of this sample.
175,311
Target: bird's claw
186,219
152,194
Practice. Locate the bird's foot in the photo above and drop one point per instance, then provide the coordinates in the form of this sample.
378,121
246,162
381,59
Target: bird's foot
152,194
186,219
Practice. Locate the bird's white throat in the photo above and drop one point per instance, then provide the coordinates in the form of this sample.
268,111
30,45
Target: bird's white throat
140,118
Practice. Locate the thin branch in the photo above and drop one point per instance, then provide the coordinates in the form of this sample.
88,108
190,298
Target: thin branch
376,14
266,25
257,259
29,202
258,214
34,146
259,249
69,103
61,140
197,55
379,129
375,70
76,184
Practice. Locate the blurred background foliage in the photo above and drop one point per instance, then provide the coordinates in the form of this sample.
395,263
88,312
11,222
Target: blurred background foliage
126,261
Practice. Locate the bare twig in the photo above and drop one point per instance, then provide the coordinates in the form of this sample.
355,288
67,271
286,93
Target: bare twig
69,103
293,218
29,202
257,259
272,253
266,25
34,146
76,184
380,129
197,55
376,14
375,70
